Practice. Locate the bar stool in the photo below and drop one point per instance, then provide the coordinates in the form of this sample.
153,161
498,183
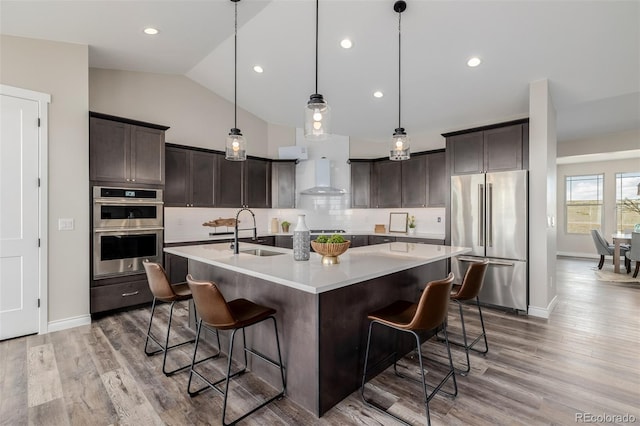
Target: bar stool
469,290
164,292
427,315
218,314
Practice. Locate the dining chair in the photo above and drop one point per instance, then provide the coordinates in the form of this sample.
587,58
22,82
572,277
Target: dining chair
604,248
634,253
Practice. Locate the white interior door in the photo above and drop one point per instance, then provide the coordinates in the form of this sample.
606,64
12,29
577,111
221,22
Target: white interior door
19,217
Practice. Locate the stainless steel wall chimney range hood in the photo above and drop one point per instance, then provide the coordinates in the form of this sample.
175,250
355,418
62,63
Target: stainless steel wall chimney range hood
323,180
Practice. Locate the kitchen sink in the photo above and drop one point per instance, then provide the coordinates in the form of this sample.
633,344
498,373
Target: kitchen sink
261,252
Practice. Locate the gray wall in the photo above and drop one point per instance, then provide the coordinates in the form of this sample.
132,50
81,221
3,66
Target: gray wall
61,70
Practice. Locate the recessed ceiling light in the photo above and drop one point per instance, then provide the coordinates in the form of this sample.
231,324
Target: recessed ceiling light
346,43
258,69
151,31
474,62
378,94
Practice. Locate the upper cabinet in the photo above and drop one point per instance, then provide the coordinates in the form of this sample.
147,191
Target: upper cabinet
414,182
125,151
257,183
189,177
360,184
198,177
283,184
417,182
495,148
229,183
243,183
437,185
387,184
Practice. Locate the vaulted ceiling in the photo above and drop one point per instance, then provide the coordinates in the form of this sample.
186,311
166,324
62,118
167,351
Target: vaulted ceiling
588,50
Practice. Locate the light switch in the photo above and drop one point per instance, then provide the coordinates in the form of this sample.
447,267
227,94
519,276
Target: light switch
65,224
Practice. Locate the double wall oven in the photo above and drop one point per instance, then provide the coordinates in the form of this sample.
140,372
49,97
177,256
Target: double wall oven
127,230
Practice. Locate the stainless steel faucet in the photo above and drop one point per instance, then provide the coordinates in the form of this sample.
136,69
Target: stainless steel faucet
235,246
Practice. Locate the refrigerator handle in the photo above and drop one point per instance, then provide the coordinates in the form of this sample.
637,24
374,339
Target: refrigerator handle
490,215
481,215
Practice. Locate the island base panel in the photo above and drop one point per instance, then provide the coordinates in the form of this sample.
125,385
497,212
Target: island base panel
344,327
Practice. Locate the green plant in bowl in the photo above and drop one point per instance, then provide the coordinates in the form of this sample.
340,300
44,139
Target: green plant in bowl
322,239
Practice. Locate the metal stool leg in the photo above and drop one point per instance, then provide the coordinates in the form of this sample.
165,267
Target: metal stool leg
465,344
163,347
422,381
229,375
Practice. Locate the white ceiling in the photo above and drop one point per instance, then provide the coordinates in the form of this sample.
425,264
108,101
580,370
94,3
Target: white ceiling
589,51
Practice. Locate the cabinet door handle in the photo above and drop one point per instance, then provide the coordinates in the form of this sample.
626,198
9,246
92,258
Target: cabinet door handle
133,293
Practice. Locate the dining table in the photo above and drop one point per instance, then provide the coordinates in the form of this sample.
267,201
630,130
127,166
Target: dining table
618,239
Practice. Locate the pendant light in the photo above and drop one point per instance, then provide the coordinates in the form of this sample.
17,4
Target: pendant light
399,149
236,144
317,114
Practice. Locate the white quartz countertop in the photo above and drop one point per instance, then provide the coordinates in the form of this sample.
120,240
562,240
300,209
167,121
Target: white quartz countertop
356,265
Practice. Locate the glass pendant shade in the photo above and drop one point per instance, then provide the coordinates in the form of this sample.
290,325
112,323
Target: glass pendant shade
236,146
400,148
317,118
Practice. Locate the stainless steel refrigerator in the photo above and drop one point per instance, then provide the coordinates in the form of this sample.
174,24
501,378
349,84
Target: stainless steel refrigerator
489,214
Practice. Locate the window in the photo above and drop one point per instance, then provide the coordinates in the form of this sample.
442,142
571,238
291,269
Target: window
584,197
627,196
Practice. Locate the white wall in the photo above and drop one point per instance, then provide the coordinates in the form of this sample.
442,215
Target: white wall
542,199
621,141
61,70
196,116
578,244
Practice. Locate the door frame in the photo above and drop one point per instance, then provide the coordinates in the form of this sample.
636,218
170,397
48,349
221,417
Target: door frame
43,100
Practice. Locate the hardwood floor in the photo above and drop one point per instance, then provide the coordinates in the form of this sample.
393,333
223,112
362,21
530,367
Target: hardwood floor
584,359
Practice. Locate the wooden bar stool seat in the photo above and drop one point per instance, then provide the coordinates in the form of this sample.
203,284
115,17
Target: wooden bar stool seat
218,314
428,314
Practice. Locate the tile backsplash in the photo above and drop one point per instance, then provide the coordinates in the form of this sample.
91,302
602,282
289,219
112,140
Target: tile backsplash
320,212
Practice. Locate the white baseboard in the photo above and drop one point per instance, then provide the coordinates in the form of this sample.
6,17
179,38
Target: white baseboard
66,323
582,255
535,311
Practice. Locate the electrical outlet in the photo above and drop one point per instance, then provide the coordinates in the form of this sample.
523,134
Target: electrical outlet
439,219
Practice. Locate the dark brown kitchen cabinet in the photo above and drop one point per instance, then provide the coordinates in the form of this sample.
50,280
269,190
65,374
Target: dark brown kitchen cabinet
125,151
283,184
494,148
229,182
243,183
358,240
176,267
189,177
420,240
380,239
437,186
387,184
257,183
360,184
414,182
119,292
284,241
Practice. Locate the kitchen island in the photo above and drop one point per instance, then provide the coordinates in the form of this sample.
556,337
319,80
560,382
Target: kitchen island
321,308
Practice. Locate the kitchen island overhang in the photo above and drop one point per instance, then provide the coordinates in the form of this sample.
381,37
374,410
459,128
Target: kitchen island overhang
322,309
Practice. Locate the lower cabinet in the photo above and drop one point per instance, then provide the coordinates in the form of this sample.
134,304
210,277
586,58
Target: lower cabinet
380,239
265,241
420,240
359,240
284,241
120,292
176,267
